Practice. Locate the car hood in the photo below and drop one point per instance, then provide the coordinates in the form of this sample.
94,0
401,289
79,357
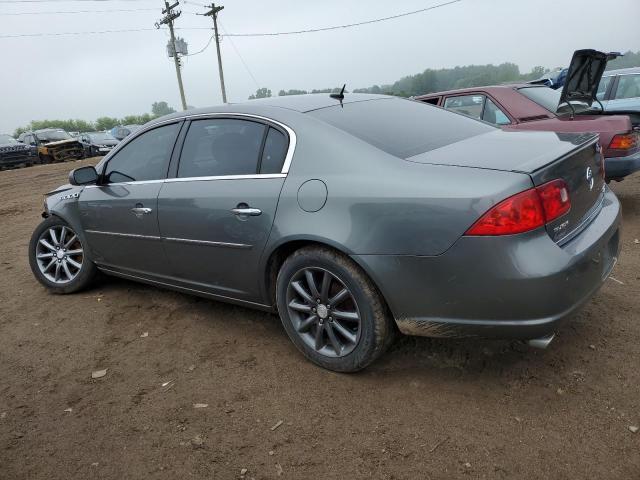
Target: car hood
584,75
522,152
60,142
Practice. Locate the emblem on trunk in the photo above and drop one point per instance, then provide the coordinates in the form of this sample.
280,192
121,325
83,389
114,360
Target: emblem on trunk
590,179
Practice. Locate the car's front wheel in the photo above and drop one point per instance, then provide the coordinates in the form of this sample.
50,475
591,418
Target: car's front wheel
331,310
58,258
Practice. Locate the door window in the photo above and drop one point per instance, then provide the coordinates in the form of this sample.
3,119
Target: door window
493,114
275,150
223,146
602,87
145,157
470,105
628,86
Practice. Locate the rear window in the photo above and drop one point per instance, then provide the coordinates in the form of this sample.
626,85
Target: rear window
403,128
544,96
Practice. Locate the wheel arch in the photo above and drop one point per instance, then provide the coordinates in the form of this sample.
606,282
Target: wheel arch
278,253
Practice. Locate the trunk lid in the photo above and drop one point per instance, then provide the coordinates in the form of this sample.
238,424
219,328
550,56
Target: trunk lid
575,158
584,75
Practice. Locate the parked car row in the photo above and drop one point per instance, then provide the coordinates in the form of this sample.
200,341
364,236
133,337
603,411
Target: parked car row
588,102
56,145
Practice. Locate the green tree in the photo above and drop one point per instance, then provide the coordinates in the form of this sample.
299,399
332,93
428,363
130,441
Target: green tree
106,123
261,93
628,60
159,109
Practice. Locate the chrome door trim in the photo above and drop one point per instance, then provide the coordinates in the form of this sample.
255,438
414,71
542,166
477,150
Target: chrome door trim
206,243
126,235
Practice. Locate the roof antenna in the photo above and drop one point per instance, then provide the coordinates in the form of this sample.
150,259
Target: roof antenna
339,96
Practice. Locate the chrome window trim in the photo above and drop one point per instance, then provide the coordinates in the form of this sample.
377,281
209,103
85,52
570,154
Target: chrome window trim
256,176
293,140
292,134
137,182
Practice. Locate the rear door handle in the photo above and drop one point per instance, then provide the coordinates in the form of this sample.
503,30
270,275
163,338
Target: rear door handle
140,211
252,212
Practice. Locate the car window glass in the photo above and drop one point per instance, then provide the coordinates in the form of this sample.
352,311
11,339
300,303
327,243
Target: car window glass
223,146
493,114
602,87
145,157
628,86
275,150
470,105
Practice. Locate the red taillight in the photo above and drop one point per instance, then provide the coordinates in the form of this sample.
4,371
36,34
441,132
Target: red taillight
525,211
555,199
626,141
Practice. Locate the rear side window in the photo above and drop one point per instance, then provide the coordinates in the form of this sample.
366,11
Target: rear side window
400,127
219,147
602,87
493,114
275,150
145,157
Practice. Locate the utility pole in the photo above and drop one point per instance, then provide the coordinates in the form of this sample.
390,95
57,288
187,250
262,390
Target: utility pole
214,14
168,19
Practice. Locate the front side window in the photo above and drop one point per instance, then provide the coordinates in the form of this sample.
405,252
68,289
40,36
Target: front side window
628,86
219,147
493,114
469,105
145,157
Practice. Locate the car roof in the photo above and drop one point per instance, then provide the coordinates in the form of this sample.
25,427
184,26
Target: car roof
621,71
42,130
486,88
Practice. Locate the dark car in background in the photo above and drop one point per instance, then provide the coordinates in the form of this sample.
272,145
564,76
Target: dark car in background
97,143
53,145
122,131
14,153
554,79
347,216
536,107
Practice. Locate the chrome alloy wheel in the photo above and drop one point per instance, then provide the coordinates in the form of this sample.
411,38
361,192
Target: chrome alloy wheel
59,254
324,312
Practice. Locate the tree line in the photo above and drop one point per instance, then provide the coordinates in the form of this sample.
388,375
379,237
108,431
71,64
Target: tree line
103,123
435,80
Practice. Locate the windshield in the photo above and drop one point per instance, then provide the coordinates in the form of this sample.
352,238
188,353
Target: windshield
101,137
549,98
52,135
7,139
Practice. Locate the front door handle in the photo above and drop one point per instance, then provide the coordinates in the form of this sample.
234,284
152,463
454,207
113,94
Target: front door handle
252,212
140,211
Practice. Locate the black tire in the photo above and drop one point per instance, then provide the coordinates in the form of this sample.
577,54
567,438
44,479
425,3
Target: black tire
375,330
45,159
85,274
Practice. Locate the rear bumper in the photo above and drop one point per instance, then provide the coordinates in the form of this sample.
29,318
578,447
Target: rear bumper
619,167
517,286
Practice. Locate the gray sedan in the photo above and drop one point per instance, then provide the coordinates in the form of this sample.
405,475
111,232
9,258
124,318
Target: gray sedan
352,218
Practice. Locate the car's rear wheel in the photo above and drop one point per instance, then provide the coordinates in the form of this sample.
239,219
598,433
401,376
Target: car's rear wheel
58,259
331,310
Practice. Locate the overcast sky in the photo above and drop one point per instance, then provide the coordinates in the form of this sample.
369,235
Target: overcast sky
87,76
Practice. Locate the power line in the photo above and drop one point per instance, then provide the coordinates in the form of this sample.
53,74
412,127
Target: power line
83,11
293,32
348,25
240,57
202,50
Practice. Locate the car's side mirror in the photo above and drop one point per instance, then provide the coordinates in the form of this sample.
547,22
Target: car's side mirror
83,176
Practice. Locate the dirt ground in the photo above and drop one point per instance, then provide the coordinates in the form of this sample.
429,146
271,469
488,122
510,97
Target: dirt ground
432,409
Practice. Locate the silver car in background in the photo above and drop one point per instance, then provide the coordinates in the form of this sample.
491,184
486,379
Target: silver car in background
351,217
